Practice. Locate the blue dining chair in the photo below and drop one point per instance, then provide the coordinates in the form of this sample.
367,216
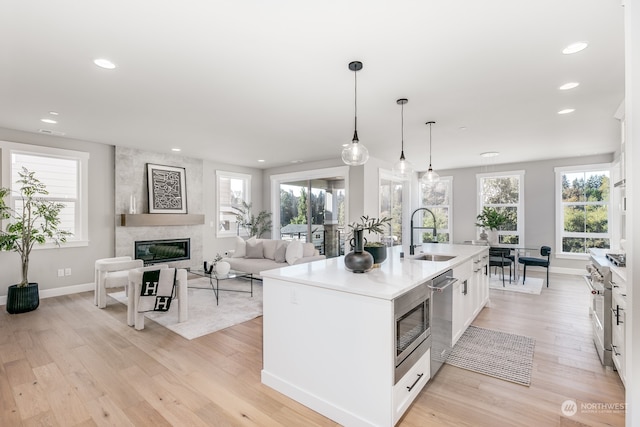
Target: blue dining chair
536,262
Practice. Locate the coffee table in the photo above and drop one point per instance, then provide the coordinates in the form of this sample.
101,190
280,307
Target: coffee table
213,276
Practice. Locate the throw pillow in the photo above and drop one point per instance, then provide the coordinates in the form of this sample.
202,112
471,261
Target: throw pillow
241,248
281,251
254,249
269,246
294,252
308,250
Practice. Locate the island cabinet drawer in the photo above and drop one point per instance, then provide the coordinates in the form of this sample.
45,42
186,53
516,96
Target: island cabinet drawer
464,271
409,386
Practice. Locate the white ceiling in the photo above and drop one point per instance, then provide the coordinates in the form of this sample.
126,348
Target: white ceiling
237,81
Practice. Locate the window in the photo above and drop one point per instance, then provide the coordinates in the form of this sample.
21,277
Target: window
63,172
391,189
437,197
233,189
582,208
504,192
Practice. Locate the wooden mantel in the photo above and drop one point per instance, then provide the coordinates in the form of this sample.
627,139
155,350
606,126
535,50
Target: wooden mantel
151,220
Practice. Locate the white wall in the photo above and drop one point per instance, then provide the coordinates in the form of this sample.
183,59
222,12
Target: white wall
45,263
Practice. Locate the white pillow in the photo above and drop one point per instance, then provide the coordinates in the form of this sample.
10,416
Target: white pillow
308,249
294,252
241,248
269,246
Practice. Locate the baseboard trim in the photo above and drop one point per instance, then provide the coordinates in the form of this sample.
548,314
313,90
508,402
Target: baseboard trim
56,292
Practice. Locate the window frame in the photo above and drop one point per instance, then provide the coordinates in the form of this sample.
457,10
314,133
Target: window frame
80,235
559,214
246,178
449,206
387,175
519,207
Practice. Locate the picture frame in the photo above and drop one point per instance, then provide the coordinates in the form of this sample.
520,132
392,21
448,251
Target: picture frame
167,189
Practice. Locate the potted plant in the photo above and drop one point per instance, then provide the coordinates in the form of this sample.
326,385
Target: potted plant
375,226
34,220
490,219
256,225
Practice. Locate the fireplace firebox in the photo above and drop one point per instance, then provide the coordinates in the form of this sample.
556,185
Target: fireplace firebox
162,251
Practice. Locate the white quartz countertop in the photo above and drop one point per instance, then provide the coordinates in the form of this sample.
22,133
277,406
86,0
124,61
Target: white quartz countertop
394,277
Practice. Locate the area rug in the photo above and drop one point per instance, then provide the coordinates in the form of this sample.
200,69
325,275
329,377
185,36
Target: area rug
498,354
533,285
205,316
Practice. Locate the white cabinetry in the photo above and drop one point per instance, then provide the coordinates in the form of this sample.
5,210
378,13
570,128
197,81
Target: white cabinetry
470,293
618,321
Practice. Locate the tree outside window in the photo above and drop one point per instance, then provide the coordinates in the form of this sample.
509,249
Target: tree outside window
437,198
583,208
503,192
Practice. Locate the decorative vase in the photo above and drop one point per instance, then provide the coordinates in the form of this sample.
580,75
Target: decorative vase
484,235
379,254
22,299
222,267
492,236
358,260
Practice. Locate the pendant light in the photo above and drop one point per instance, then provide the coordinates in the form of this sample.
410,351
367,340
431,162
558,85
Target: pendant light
430,176
403,168
355,154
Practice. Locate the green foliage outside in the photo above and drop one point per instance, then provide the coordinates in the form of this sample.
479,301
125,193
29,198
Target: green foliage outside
256,225
585,198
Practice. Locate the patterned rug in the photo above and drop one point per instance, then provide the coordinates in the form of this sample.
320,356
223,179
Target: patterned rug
205,316
498,354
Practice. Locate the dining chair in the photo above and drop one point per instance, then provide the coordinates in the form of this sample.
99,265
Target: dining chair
500,258
545,251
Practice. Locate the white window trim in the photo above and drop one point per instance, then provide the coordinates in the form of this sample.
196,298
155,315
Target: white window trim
277,179
234,175
406,195
520,224
559,171
82,219
448,206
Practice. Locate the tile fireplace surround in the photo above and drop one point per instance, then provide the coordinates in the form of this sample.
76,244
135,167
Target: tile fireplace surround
131,180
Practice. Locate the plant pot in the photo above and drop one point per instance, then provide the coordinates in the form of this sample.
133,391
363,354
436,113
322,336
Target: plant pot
22,299
379,254
222,267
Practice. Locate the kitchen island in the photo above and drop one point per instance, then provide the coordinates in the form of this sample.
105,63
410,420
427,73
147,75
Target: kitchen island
328,334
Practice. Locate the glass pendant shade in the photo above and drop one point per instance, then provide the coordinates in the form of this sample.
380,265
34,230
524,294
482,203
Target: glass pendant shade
402,168
431,176
355,154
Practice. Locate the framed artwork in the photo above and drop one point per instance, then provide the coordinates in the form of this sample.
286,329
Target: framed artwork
167,189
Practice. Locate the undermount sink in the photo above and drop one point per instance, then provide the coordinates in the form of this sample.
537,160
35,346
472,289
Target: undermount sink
433,257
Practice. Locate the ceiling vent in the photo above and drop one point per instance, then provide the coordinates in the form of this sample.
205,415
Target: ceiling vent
51,132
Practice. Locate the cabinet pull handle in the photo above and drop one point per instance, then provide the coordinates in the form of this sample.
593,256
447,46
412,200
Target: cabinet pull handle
409,388
615,351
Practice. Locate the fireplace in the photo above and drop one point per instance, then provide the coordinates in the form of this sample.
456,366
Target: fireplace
162,251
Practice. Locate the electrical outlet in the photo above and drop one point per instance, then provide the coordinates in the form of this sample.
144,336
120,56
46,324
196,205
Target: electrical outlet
60,272
67,272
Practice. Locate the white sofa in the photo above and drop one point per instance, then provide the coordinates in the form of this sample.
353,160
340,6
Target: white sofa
256,255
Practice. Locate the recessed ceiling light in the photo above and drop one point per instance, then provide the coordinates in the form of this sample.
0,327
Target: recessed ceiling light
345,145
53,113
575,47
104,63
176,149
261,161
569,85
296,161
462,128
50,121
489,154
567,111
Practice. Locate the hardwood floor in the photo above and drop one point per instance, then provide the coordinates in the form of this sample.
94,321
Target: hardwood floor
71,364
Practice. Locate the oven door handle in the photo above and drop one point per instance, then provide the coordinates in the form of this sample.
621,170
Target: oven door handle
450,281
593,290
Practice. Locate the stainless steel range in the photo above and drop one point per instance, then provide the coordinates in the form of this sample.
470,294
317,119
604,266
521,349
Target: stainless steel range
599,282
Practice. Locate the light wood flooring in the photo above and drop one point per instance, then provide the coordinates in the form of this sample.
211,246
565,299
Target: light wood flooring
71,364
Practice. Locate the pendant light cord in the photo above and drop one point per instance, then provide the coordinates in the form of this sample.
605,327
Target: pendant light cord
355,106
429,145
